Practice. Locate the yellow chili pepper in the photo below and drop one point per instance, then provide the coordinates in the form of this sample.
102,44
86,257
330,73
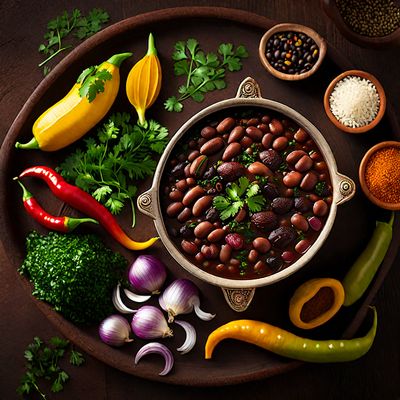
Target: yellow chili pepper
289,345
144,81
315,302
78,112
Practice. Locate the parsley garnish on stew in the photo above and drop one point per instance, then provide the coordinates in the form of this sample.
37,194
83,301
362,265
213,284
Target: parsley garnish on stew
238,194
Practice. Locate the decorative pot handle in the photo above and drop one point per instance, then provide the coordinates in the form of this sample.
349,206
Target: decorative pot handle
238,299
249,88
347,188
146,203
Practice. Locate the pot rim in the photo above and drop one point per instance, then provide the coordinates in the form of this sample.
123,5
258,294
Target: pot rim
343,190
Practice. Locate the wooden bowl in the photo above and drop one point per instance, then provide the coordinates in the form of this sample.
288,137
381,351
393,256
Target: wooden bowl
319,41
382,98
380,42
361,175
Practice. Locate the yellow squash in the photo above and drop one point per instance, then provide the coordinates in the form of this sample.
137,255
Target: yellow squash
144,81
74,115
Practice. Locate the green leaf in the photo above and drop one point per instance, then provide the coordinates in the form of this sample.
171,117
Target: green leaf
181,68
192,45
200,58
241,52
232,210
76,358
255,203
114,204
101,193
252,190
179,53
225,49
243,184
58,342
234,64
220,203
93,83
172,104
197,96
220,84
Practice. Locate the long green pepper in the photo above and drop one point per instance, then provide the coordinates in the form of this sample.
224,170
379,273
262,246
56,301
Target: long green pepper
360,275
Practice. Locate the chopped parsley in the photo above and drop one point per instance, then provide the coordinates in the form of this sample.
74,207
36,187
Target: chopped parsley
212,182
247,159
320,188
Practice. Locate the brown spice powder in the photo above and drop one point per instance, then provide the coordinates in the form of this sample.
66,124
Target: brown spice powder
382,174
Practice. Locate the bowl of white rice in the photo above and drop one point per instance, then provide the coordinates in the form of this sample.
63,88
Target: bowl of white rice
355,101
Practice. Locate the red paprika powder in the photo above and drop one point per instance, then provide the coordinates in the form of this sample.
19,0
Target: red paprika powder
382,174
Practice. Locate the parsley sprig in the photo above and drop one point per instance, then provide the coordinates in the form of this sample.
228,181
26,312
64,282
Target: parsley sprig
237,195
63,25
119,155
204,72
43,363
92,82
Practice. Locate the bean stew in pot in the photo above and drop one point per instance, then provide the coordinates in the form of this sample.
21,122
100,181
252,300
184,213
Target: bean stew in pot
245,193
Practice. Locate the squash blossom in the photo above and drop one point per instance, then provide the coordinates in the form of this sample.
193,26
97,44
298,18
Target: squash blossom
144,81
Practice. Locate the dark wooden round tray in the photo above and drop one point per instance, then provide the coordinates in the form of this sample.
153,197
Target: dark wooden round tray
233,362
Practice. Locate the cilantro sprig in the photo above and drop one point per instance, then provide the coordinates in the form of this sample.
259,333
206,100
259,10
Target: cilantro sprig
238,195
92,82
115,159
43,363
66,24
204,72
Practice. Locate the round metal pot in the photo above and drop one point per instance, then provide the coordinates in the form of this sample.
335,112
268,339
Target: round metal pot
239,293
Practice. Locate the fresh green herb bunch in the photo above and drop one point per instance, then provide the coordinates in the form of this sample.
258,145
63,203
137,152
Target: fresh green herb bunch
120,154
75,273
62,26
204,72
43,363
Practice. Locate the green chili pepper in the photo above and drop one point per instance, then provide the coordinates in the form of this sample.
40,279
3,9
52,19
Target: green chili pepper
289,345
363,270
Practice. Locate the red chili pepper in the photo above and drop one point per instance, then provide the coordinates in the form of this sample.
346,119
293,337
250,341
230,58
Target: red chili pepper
84,202
61,224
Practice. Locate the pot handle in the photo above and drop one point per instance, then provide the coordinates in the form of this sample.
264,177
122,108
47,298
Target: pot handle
347,188
249,88
146,203
238,299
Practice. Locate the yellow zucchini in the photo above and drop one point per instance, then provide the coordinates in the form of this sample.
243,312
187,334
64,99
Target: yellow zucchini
79,111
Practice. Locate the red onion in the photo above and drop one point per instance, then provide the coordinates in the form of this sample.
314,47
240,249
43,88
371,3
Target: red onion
149,323
115,330
190,340
147,274
157,348
119,304
180,297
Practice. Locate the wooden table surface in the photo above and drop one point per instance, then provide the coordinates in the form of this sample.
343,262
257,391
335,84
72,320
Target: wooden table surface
375,376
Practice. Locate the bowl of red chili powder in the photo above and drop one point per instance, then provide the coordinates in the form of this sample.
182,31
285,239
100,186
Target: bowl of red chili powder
379,175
